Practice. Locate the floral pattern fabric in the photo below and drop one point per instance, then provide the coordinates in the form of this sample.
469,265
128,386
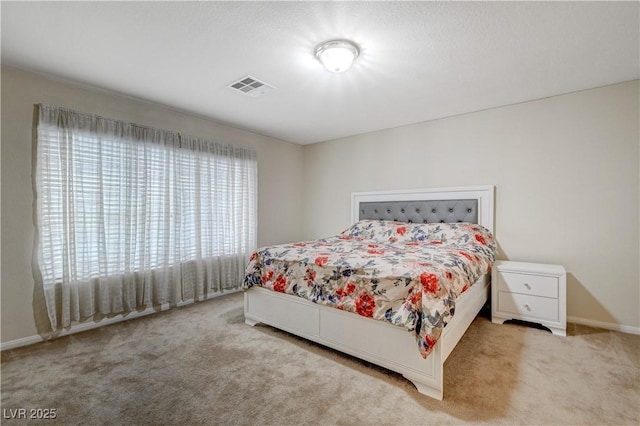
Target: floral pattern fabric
409,275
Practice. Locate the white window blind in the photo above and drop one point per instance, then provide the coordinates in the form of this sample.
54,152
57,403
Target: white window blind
129,216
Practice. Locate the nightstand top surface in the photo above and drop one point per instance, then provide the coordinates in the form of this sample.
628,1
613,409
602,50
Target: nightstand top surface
511,266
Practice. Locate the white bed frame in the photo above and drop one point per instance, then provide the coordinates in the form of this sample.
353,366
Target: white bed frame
377,341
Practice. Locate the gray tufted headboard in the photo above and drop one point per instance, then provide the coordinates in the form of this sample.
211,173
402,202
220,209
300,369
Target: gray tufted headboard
429,211
473,204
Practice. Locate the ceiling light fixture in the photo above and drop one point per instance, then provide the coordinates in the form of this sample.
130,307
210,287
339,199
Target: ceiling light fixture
337,55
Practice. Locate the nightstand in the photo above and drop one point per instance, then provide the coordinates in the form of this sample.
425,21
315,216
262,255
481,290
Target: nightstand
530,292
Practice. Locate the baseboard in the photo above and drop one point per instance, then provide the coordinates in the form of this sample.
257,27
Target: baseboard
25,341
77,328
606,325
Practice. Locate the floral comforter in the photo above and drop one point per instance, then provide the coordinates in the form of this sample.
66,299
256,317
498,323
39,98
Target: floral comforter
409,275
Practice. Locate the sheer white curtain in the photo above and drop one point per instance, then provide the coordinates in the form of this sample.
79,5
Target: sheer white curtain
129,217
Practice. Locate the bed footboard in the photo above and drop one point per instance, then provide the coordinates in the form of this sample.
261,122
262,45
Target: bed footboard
374,341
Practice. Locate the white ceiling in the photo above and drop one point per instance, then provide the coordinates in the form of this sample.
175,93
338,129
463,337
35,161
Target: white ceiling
419,60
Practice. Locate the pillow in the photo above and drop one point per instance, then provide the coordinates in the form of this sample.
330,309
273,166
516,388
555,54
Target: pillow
460,233
369,229
387,231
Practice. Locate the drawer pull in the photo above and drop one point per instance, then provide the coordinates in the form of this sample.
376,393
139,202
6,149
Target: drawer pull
528,307
527,286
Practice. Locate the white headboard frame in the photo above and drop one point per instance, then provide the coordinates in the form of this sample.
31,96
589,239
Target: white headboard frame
484,194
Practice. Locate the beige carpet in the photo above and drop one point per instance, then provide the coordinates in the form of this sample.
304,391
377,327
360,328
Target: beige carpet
202,365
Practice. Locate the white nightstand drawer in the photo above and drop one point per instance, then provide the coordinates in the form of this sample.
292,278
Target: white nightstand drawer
534,285
525,306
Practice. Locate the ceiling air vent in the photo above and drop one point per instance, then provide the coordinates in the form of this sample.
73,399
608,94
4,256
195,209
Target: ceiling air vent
251,86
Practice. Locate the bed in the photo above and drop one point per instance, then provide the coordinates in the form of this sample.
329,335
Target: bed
400,241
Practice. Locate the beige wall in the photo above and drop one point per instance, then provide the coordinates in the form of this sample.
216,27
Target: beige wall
566,171
279,176
567,185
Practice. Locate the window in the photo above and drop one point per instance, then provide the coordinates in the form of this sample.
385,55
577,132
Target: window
130,216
